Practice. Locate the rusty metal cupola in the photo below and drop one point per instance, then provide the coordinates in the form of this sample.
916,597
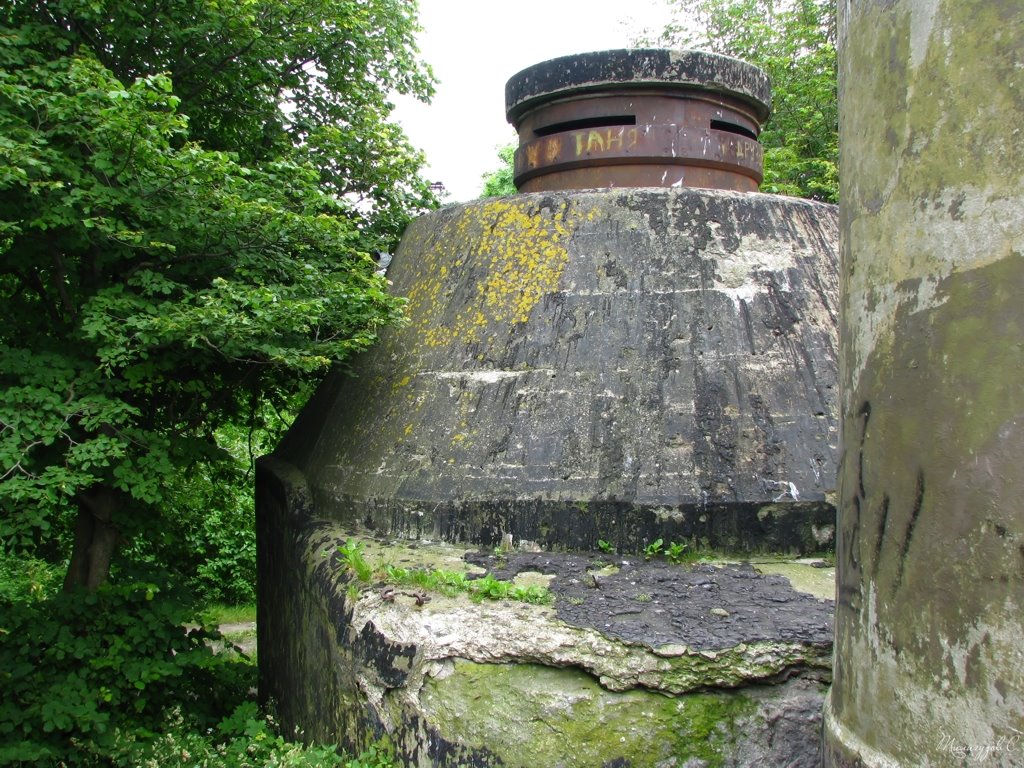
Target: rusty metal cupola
638,118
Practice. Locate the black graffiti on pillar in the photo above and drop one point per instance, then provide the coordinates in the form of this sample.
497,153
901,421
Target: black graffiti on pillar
864,413
908,533
849,592
903,544
882,518
883,524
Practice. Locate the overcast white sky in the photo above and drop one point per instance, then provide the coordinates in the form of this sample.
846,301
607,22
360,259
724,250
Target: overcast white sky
475,46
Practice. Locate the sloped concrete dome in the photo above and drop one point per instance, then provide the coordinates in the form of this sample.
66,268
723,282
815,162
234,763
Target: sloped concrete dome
616,364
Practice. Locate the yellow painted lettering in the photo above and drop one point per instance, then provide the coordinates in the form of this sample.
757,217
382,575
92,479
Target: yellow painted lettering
594,140
552,149
532,155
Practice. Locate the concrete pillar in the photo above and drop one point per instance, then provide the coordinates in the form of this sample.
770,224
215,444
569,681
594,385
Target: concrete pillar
929,648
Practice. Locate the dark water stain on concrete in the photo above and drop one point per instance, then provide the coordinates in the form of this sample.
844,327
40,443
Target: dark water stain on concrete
655,603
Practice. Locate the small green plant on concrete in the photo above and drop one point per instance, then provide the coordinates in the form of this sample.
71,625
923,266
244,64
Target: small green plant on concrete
500,556
534,594
676,551
352,556
489,587
653,549
642,597
605,546
448,583
451,583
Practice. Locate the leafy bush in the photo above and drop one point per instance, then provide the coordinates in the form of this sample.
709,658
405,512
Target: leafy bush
245,739
208,544
80,668
498,183
24,579
122,677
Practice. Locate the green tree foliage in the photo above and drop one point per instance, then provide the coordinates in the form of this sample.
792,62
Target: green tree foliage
75,672
208,544
120,678
498,183
794,41
188,194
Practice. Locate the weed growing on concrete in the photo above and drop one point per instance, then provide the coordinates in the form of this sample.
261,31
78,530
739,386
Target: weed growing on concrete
605,546
352,555
452,583
653,549
675,552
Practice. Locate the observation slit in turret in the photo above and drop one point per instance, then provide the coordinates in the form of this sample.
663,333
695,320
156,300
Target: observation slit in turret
638,118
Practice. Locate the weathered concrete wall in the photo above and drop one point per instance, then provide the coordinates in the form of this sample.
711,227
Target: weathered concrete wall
635,665
613,364
929,659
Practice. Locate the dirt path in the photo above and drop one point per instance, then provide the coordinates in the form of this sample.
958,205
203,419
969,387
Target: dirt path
241,634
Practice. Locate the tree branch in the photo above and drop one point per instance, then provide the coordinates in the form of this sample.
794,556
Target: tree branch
60,276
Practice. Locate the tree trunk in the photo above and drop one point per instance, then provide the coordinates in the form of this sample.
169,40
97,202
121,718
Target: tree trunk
96,538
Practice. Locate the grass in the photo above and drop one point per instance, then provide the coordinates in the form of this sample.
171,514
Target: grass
231,614
452,583
439,580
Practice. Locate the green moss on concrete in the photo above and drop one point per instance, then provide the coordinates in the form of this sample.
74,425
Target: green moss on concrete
712,724
527,714
820,582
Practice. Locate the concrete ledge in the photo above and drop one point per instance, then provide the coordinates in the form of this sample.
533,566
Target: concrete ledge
635,663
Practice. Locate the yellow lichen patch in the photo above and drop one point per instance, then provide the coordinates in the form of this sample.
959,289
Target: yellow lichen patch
501,257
